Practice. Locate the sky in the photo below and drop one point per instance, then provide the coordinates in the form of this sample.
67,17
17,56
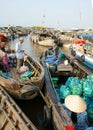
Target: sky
63,14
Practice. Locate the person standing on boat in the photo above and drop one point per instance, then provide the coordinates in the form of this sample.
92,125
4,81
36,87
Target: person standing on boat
19,53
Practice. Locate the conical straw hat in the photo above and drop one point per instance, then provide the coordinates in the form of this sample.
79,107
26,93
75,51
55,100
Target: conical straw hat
75,103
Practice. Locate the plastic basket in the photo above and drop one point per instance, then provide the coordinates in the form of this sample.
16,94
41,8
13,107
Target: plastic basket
69,128
55,81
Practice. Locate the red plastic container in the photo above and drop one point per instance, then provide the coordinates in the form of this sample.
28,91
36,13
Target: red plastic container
69,128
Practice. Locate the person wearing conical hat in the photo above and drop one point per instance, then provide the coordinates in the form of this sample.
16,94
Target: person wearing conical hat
76,107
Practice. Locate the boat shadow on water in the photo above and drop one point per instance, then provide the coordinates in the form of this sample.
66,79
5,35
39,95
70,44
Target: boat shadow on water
34,110
11,116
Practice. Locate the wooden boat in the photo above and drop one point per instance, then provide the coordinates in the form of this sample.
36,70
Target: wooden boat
47,42
41,38
11,116
24,88
59,117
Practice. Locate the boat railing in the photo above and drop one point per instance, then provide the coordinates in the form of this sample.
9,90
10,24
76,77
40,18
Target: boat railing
13,114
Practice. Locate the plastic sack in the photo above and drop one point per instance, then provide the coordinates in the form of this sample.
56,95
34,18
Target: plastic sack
87,89
90,76
57,62
68,81
90,112
77,89
83,80
64,91
50,59
72,81
23,69
86,99
27,74
5,75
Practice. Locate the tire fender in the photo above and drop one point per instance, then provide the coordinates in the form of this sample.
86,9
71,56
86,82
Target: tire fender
73,52
47,115
82,58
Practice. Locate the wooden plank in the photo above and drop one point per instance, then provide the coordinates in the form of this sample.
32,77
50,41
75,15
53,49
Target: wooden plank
63,67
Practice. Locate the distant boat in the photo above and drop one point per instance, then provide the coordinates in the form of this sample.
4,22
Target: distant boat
48,42
24,86
11,116
42,38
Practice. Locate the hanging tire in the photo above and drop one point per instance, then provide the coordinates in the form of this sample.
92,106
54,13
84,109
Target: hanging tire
82,58
29,92
47,116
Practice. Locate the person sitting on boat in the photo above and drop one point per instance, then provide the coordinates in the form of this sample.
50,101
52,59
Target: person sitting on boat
53,51
4,60
12,58
54,54
75,106
19,53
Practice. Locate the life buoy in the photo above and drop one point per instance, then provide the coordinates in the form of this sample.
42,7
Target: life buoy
47,116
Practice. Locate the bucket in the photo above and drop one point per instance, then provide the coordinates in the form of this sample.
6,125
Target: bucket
69,128
52,68
66,62
55,81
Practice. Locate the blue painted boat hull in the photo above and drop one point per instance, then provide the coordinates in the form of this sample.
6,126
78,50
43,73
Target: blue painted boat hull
86,59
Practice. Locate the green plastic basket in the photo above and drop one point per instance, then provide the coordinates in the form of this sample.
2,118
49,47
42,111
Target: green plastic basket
55,81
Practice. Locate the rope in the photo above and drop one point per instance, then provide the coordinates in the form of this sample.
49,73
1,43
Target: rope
48,104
